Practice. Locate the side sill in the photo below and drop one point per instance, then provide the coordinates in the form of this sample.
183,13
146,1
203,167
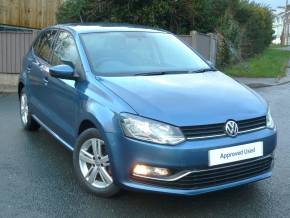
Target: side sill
53,133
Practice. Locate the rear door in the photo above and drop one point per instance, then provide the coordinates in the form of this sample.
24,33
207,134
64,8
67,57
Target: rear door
39,65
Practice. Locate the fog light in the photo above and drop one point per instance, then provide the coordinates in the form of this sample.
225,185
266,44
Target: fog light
144,170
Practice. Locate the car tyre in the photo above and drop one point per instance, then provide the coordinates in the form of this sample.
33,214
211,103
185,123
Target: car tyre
25,113
92,164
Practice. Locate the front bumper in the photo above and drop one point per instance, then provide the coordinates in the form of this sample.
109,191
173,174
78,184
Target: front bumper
189,155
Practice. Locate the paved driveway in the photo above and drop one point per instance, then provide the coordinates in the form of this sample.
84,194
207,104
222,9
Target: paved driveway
287,48
36,178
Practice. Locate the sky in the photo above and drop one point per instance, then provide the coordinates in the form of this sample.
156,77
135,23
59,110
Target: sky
273,3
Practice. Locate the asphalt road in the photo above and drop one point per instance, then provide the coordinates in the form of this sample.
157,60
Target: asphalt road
37,180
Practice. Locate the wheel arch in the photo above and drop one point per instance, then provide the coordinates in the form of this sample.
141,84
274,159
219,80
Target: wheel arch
84,125
102,124
90,120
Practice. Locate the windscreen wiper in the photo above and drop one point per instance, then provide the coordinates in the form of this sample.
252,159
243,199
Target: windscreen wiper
203,70
160,73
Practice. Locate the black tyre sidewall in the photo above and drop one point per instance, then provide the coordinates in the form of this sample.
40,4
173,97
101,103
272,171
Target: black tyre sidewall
83,137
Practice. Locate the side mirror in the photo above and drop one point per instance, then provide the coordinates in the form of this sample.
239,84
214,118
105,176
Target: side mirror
63,71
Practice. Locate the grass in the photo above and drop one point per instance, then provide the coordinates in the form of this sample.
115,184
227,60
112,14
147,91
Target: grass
271,63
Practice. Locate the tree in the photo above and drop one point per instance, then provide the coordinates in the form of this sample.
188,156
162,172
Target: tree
245,28
175,15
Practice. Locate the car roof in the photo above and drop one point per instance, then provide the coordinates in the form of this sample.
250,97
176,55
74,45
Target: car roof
106,27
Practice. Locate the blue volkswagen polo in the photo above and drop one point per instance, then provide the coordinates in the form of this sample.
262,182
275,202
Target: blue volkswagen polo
143,111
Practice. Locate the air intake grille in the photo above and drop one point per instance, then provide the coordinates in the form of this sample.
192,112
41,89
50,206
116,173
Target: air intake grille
218,176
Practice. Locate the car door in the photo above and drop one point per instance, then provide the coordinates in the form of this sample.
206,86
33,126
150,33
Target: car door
37,73
62,99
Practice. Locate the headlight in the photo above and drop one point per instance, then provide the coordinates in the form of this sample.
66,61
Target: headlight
150,130
270,121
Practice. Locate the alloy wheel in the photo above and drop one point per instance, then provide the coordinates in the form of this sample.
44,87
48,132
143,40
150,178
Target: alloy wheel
94,163
24,108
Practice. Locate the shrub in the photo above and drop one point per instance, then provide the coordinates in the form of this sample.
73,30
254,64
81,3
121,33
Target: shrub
175,16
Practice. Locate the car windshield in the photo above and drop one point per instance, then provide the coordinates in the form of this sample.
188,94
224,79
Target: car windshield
133,53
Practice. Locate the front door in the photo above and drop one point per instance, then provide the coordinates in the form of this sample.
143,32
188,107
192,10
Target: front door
63,99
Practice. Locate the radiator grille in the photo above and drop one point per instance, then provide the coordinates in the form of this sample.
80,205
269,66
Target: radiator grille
204,131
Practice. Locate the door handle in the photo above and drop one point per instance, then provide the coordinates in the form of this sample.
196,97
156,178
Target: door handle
28,68
45,80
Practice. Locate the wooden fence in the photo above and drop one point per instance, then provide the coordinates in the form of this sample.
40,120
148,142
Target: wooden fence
29,13
204,44
13,46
